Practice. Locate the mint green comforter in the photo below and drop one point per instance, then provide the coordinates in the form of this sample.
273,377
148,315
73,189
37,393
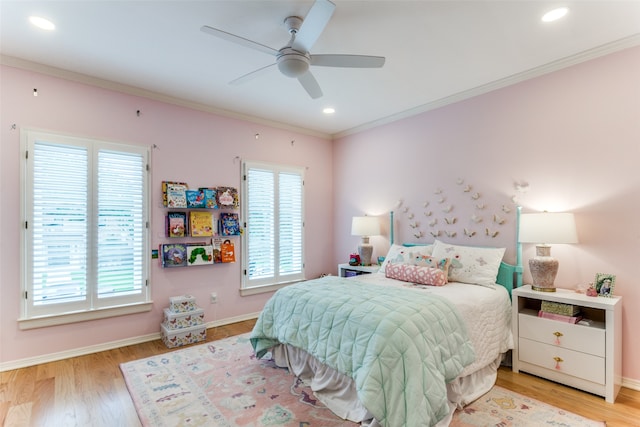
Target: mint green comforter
401,347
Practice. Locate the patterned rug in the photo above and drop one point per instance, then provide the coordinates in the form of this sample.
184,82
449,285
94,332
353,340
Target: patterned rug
221,383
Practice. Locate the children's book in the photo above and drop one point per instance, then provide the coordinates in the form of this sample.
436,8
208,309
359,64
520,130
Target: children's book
198,254
229,224
176,196
201,223
227,251
195,199
173,255
228,198
165,188
177,224
217,255
210,198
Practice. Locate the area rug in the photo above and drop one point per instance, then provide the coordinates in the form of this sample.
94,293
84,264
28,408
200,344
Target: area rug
221,383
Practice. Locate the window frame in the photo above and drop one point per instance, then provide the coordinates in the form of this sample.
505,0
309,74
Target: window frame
276,281
91,306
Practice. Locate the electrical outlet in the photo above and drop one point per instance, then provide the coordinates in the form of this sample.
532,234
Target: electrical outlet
214,298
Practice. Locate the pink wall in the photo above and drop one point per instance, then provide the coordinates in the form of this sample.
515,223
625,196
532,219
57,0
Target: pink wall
573,135
192,146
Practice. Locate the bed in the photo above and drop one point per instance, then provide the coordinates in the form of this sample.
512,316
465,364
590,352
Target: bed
390,348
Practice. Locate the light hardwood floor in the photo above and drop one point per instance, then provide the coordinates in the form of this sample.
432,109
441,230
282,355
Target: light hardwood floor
89,391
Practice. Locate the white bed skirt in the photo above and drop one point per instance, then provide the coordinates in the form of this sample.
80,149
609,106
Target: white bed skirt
338,391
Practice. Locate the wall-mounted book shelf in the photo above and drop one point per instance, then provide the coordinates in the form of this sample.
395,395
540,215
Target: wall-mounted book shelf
191,215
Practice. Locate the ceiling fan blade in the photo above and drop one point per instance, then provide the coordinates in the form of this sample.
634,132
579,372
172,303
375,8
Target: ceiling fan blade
313,25
252,75
351,61
310,84
238,40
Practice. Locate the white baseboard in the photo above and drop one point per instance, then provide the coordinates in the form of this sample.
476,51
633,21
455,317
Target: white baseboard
632,384
52,357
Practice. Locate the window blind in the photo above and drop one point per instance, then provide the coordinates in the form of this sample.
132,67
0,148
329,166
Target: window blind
85,236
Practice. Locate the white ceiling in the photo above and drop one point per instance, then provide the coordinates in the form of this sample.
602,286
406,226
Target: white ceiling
436,51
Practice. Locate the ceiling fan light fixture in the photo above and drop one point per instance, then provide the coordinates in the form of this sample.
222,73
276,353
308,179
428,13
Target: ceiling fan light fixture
293,65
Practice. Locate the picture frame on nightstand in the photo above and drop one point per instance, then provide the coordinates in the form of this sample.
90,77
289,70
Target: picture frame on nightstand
604,284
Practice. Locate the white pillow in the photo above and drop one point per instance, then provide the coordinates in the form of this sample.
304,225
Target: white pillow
404,254
470,264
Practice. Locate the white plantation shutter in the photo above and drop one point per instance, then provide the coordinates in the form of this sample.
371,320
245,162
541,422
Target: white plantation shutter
58,253
261,238
85,236
121,224
274,218
290,222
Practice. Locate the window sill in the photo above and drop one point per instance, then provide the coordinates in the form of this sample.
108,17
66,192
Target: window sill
265,288
66,318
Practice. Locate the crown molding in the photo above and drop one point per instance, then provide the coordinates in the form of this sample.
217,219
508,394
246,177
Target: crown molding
587,55
26,65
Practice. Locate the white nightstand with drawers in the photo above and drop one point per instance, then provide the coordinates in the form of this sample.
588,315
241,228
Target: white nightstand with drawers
346,270
584,356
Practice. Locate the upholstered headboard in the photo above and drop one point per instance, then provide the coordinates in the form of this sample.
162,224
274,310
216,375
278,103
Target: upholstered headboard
509,276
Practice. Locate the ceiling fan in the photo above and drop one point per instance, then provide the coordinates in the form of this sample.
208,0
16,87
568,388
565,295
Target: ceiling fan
294,59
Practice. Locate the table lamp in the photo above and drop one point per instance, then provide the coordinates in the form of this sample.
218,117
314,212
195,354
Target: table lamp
365,226
544,229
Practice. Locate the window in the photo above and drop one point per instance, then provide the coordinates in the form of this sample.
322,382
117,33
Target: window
273,211
85,238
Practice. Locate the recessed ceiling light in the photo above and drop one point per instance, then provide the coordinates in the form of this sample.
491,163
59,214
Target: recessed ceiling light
42,23
329,110
555,14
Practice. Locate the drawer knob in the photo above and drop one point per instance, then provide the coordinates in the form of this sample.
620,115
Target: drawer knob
558,335
558,360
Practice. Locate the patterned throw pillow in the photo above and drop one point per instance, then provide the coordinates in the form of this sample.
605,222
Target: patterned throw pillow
433,262
404,254
416,274
470,264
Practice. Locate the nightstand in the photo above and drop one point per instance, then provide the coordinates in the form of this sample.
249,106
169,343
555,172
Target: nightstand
346,270
584,356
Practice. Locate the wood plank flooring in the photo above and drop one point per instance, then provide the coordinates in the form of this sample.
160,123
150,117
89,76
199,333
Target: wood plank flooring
90,391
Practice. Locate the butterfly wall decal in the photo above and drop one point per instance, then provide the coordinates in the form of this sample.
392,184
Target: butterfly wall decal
491,233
